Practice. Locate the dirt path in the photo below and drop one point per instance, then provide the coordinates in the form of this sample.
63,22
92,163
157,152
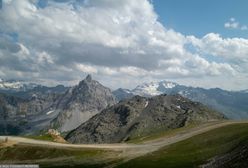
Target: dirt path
131,150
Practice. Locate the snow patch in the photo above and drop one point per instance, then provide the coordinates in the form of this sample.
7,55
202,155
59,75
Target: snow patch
49,112
153,88
126,90
169,85
16,85
179,107
147,89
147,102
184,93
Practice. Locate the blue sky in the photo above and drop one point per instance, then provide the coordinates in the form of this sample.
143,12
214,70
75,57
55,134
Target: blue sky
199,17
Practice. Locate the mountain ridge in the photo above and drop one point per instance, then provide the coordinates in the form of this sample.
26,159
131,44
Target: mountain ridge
139,117
233,104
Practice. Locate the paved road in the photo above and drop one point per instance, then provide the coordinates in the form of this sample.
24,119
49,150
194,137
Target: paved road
131,150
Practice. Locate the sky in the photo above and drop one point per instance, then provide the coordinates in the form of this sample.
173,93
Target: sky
125,43
199,17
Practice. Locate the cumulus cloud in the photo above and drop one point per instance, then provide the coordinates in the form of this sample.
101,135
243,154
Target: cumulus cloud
232,50
116,41
233,24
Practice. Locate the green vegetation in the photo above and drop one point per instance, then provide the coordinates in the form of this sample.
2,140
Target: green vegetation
196,150
161,134
169,133
45,137
189,153
54,157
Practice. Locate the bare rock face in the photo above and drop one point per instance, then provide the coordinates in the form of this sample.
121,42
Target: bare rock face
20,116
140,116
80,103
37,110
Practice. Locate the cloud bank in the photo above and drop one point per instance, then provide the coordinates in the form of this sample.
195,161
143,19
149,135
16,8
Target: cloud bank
121,43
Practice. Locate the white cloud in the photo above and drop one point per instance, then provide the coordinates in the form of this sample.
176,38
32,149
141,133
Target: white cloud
86,68
233,24
230,49
113,40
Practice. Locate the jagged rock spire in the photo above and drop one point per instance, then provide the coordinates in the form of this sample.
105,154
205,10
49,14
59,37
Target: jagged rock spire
88,78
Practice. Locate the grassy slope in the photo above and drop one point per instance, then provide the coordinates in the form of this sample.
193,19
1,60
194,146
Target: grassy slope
188,153
54,157
45,137
161,134
196,150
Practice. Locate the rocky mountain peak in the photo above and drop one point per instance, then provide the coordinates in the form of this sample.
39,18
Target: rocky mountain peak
82,102
86,83
88,78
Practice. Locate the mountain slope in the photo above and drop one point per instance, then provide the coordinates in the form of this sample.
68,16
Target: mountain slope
225,146
233,104
140,116
80,103
19,116
64,108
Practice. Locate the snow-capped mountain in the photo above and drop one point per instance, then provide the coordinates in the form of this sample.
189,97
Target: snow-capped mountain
15,85
153,88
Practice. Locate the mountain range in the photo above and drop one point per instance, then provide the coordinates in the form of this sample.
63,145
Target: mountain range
33,108
234,104
62,108
16,85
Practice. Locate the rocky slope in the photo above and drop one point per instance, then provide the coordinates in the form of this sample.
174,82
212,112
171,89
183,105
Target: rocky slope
19,116
140,116
80,103
41,108
233,104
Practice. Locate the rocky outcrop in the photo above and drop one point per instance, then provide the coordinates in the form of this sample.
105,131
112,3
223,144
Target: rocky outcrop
140,116
55,135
